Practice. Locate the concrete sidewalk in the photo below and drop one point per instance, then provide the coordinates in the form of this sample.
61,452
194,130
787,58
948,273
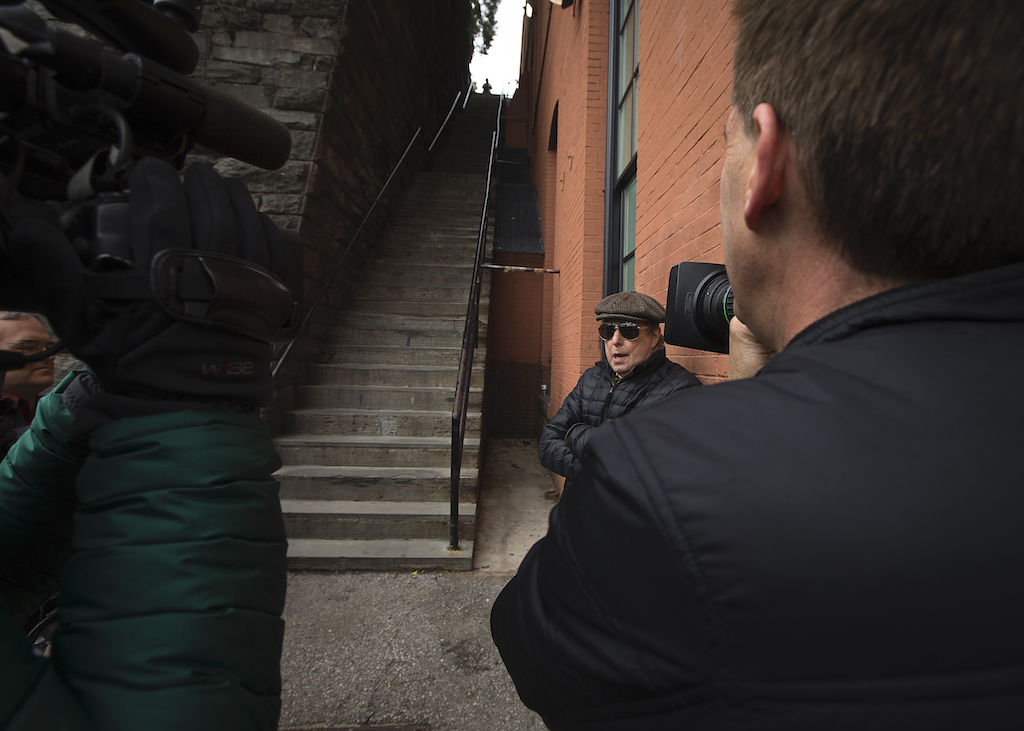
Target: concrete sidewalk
413,651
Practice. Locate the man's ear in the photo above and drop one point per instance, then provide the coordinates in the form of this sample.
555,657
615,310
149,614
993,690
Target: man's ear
765,184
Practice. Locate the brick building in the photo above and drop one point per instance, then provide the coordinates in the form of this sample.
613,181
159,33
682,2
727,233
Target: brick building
627,188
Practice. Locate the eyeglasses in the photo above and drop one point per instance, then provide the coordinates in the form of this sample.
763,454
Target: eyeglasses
28,347
628,330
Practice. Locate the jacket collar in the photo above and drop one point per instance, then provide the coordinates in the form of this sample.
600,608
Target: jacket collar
991,295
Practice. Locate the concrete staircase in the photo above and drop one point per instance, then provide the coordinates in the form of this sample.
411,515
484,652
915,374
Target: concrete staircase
367,450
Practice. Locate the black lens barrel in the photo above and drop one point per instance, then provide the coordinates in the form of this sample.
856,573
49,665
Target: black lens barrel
699,307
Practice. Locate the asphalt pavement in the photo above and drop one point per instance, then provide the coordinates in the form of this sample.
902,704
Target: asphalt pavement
412,650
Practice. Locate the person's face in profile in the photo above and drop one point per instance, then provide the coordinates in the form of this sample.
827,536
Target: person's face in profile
28,337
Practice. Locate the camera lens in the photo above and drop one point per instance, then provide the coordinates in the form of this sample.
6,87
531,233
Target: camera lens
714,309
699,307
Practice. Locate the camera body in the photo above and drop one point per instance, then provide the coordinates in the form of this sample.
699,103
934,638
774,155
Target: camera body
699,307
76,113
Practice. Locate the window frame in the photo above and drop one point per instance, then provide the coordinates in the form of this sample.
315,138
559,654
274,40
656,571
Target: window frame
620,177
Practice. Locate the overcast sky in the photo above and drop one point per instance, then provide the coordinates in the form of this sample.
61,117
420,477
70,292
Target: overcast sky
501,64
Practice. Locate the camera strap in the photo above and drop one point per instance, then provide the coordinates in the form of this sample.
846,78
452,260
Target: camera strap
204,288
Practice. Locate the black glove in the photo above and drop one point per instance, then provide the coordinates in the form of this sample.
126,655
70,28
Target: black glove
166,308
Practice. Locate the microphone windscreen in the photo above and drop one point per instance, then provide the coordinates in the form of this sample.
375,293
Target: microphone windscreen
233,128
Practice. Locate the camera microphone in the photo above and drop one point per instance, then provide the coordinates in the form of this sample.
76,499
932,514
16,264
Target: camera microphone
699,307
167,103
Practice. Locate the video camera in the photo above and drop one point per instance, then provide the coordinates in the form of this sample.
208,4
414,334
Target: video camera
699,307
74,115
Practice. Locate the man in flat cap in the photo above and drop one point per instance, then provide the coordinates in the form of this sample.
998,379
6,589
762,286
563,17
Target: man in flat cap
633,373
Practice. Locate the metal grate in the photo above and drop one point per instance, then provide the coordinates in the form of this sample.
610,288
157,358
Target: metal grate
517,220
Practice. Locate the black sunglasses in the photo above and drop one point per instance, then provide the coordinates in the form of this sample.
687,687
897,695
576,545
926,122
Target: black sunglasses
629,330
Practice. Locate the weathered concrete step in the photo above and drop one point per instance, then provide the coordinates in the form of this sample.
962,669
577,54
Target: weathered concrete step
372,451
426,271
374,423
435,225
401,376
397,354
421,273
441,183
385,554
412,292
457,212
463,198
353,482
435,254
408,274
340,519
416,248
381,397
456,307
408,337
386,321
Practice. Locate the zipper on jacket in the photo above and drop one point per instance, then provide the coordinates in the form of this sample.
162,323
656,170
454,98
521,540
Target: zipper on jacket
608,399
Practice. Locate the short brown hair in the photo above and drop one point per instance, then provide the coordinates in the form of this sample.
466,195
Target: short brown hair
908,119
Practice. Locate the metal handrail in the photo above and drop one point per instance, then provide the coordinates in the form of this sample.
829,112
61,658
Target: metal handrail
444,123
327,284
355,236
470,340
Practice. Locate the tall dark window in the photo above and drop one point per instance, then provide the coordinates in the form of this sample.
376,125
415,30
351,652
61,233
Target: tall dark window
620,187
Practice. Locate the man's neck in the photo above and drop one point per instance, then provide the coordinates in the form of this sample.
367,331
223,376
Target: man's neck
816,284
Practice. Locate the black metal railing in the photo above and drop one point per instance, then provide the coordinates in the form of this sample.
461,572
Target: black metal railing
470,339
355,236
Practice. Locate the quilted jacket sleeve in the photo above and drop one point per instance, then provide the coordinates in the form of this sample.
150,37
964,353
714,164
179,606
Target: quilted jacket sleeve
172,595
555,453
37,503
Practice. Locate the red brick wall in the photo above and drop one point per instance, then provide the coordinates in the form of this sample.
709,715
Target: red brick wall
685,83
684,87
569,68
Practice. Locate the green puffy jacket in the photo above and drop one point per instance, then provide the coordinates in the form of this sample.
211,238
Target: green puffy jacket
165,536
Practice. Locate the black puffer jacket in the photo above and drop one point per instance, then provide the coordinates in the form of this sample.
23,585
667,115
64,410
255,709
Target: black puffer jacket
599,396
833,544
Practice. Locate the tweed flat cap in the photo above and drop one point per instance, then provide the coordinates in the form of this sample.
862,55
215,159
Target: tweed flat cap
631,306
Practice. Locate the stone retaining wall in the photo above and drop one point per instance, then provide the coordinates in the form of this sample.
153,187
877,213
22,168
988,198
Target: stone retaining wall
352,81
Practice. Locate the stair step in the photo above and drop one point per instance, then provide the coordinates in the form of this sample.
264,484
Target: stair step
381,397
395,354
374,423
393,375
425,323
402,336
415,274
341,519
457,213
420,294
351,482
372,451
406,307
388,553
436,225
